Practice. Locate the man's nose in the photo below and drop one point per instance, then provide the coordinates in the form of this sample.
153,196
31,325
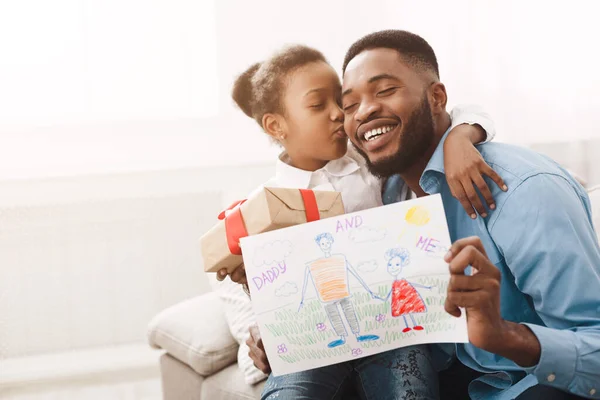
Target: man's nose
366,110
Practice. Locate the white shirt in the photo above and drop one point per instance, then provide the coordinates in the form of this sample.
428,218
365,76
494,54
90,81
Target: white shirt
349,175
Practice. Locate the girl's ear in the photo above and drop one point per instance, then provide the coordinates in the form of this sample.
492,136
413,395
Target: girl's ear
274,125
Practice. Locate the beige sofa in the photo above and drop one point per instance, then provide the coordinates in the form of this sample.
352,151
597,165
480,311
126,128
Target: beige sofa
200,359
199,362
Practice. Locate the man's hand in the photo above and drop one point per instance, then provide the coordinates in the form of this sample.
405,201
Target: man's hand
479,294
257,350
465,167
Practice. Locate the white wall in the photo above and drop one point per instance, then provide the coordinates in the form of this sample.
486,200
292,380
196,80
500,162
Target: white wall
92,86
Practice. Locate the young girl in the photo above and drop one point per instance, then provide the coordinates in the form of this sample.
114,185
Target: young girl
295,97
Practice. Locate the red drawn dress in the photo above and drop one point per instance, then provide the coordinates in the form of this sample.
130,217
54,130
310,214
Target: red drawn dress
406,299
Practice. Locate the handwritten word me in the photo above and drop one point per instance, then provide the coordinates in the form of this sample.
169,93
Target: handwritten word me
428,245
348,223
269,276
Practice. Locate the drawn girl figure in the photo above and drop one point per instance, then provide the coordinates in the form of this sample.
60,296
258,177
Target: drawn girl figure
405,298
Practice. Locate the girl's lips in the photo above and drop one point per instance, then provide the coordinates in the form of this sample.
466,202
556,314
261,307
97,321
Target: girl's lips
340,134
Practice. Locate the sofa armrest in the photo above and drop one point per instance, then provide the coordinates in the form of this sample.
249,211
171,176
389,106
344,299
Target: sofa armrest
196,333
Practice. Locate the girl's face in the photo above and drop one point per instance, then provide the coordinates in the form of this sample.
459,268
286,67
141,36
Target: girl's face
313,121
394,266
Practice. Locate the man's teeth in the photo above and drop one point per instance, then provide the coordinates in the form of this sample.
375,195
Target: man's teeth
373,133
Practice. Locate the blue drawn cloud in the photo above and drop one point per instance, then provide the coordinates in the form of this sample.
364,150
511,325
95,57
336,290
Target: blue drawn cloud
274,252
287,289
367,266
366,234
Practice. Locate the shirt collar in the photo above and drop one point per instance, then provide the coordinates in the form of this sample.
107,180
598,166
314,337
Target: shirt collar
297,178
434,172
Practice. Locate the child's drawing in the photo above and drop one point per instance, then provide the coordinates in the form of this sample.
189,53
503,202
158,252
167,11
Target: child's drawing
366,234
322,291
282,348
367,266
417,215
405,298
288,289
329,275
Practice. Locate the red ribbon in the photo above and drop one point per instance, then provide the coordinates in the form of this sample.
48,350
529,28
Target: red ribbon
235,229
310,205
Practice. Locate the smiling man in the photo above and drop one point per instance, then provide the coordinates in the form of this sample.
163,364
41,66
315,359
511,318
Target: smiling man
533,304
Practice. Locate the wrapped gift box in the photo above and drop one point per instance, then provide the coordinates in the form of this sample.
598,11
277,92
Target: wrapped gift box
266,210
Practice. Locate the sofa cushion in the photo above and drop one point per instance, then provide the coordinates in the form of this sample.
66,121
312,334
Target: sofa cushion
228,384
196,333
239,315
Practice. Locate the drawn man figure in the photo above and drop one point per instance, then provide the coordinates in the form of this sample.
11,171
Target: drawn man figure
330,276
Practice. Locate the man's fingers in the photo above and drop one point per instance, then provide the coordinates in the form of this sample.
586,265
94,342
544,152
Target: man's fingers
463,283
473,197
461,244
464,299
459,193
468,256
484,190
487,170
451,308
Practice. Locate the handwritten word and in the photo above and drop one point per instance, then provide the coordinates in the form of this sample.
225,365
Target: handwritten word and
348,223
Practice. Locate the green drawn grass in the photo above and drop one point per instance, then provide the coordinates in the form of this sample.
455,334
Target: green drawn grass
299,329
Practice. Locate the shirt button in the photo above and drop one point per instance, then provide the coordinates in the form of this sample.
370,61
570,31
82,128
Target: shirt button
592,392
551,378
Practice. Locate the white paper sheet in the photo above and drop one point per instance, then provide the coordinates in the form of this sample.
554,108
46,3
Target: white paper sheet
352,286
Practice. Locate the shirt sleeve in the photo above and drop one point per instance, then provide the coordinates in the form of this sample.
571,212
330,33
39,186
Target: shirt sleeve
545,234
473,115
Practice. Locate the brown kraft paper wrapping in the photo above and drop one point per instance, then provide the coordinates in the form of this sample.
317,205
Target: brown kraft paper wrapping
267,210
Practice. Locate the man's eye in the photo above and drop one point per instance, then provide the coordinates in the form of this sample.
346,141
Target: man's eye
387,91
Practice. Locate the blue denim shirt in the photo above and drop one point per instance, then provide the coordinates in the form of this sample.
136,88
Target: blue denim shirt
541,238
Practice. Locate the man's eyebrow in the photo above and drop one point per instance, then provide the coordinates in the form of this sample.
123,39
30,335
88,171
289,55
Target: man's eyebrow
383,76
374,79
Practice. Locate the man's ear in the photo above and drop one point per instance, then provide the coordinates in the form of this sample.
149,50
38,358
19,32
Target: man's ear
274,125
439,98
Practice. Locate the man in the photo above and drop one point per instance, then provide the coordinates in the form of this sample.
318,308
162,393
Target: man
536,254
330,278
533,301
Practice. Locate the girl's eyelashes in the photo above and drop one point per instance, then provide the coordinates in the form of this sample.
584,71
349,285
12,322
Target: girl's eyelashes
317,106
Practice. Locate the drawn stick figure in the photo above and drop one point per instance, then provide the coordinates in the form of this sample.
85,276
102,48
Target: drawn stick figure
329,275
405,298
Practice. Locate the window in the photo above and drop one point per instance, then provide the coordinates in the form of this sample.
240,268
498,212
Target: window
82,61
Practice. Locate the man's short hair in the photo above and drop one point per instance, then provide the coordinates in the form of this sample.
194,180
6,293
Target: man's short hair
412,48
325,235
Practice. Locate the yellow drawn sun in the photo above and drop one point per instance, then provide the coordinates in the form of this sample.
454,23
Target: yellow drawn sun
418,215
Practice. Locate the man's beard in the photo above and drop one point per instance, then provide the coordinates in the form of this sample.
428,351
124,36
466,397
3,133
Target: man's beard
415,141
